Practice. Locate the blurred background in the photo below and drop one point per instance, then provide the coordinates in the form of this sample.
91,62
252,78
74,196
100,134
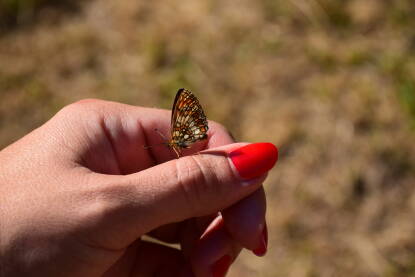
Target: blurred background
331,83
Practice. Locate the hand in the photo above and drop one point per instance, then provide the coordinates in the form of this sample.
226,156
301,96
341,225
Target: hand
79,193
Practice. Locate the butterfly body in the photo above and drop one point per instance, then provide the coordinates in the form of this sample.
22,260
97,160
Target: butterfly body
188,121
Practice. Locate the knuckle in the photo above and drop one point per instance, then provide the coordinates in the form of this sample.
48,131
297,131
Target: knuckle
87,104
87,101
81,107
220,129
217,126
198,181
75,107
84,103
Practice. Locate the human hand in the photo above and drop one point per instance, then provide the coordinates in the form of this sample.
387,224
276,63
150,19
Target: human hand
78,194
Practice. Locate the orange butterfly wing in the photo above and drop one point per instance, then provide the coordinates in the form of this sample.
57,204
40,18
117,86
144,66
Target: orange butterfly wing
188,121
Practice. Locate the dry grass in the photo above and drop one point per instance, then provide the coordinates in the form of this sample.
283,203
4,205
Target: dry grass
332,83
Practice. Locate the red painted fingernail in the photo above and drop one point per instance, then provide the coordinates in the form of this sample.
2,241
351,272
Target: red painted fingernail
220,268
254,160
262,247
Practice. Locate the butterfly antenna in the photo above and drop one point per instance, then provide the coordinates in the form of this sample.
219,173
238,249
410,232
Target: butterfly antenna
161,134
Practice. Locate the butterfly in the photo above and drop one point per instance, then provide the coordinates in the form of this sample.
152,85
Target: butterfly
188,122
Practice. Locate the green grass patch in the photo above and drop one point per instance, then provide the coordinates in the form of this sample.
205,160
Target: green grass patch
406,92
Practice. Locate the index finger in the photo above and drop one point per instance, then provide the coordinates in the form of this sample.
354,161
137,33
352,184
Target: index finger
130,131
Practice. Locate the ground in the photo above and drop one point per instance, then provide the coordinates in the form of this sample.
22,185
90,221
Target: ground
331,83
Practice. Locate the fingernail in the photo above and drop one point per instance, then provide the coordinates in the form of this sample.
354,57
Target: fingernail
254,160
261,250
220,268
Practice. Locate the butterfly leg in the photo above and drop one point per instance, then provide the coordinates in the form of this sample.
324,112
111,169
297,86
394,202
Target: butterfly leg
177,151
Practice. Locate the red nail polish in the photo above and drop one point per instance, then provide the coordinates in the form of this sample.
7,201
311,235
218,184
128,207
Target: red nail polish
254,160
262,248
220,268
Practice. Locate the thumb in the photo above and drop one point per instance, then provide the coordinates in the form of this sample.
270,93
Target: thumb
200,184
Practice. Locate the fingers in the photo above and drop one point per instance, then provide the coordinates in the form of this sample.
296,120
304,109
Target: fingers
209,249
125,134
113,133
215,251
188,187
202,184
245,222
173,233
191,232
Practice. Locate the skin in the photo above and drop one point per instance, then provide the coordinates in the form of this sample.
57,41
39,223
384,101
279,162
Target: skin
79,193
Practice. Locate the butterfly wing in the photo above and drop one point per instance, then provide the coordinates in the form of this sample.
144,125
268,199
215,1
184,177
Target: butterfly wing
188,121
180,97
